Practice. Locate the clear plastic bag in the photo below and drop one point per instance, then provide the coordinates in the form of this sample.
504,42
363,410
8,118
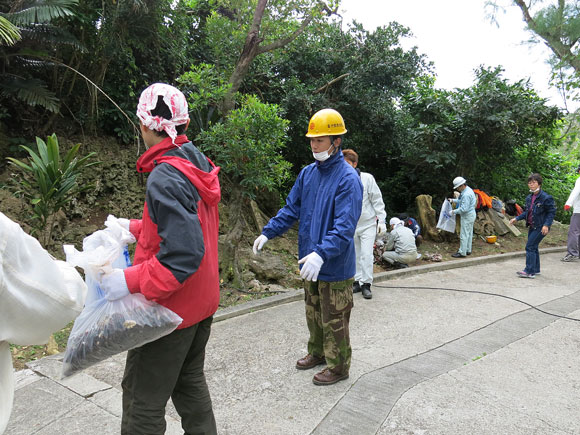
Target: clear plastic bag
446,218
106,328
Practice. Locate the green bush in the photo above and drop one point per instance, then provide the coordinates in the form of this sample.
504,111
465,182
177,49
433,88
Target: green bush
49,181
247,146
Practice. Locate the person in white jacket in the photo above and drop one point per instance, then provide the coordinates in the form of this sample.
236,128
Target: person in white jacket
574,230
370,224
38,296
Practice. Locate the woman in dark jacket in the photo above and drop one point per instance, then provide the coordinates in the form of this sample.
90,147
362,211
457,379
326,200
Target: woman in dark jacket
539,213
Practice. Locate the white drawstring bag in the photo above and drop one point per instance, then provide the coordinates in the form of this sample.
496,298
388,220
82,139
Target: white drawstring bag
106,328
446,218
38,296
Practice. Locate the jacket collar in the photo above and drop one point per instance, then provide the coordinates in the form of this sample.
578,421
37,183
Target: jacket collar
147,162
331,162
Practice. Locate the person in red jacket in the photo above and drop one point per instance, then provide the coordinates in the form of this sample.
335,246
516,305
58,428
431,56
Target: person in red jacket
175,265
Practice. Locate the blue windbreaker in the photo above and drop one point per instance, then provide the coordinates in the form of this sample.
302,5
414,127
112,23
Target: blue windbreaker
327,200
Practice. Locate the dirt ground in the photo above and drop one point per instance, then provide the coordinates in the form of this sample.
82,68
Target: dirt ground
229,296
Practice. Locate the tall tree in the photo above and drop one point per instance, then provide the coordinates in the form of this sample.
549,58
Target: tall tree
556,23
258,27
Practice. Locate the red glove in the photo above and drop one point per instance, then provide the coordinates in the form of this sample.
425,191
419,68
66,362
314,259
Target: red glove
566,207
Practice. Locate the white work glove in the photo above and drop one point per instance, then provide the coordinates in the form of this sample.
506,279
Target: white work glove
114,285
382,228
119,227
259,243
311,265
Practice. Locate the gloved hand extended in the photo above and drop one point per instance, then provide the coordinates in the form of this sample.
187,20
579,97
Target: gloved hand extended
114,285
311,265
382,228
259,243
120,228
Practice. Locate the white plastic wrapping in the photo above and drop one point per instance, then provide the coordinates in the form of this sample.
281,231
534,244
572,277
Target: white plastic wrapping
446,218
106,328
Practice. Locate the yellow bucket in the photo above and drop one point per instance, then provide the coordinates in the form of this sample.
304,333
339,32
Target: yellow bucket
491,239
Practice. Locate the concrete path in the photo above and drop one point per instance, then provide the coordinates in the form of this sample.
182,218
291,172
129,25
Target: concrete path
424,361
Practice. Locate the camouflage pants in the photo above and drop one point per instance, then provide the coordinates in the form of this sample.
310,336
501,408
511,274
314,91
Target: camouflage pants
328,306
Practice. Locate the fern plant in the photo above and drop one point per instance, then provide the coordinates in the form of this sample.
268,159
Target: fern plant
49,181
36,39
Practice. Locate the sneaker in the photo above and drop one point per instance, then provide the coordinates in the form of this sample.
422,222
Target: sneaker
523,274
419,256
569,257
457,255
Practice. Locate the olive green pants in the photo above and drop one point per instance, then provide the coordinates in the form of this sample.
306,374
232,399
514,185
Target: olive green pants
171,366
328,306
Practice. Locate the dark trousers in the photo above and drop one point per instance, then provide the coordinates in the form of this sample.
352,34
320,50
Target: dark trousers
171,366
574,235
535,236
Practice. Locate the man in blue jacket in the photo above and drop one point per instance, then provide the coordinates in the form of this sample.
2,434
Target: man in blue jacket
326,199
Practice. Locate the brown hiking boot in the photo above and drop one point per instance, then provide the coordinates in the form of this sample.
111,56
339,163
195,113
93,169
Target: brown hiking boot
328,377
309,361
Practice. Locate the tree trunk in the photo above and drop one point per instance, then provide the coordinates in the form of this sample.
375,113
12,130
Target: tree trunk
229,261
427,218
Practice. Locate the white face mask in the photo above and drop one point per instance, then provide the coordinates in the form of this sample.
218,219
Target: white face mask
323,155
534,191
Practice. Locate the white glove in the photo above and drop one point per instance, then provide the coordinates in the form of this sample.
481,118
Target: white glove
114,285
125,223
119,227
382,228
259,243
311,266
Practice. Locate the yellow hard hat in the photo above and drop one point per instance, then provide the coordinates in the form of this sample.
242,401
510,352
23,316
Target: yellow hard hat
326,122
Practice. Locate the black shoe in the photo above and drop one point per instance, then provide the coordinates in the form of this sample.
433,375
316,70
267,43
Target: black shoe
398,265
457,255
366,291
355,287
469,253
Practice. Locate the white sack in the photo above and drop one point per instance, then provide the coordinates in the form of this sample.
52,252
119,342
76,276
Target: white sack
446,218
38,296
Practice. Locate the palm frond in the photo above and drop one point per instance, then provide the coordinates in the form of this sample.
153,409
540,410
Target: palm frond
49,35
9,33
32,91
42,11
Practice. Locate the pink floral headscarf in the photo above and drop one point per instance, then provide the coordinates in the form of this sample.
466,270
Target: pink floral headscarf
174,99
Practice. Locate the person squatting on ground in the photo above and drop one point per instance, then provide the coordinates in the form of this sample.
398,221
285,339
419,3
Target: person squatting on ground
175,265
326,199
400,248
38,296
370,224
414,226
539,214
465,207
574,229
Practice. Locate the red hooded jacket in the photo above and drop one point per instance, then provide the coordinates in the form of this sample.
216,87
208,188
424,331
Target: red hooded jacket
176,259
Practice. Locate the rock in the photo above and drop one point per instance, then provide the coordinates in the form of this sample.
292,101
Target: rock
502,224
267,267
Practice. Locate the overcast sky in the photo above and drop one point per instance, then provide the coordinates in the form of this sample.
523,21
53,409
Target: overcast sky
457,37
